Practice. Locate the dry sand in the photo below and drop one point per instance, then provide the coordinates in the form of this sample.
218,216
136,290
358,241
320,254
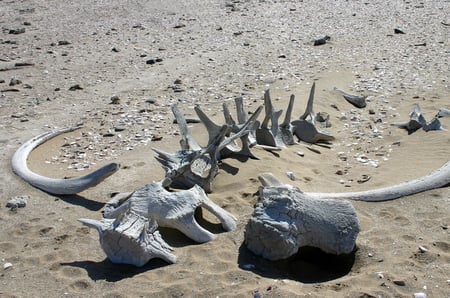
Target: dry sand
219,50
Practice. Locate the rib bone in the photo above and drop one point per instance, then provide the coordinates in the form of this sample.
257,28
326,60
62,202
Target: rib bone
51,185
436,179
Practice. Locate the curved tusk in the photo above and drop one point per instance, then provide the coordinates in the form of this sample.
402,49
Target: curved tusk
53,185
436,179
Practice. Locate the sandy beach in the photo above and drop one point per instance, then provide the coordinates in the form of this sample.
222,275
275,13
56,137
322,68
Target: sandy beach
116,67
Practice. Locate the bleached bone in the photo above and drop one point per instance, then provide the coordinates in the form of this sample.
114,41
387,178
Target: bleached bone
305,129
131,239
265,135
286,219
417,121
443,112
173,209
247,140
53,185
436,179
196,165
355,100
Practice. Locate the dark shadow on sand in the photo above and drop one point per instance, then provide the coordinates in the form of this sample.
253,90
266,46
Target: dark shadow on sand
108,271
309,265
81,201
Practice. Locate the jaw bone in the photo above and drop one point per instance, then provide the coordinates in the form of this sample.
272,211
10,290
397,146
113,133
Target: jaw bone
51,185
195,164
306,130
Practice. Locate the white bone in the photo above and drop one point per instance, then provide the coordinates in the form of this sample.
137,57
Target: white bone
131,239
52,185
286,219
174,209
305,129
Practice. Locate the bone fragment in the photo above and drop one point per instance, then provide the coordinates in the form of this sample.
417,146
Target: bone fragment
286,219
417,121
355,100
52,185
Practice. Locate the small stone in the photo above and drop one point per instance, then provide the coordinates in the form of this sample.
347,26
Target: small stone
7,266
398,31
339,172
150,100
119,128
420,295
75,87
17,31
178,82
63,43
150,61
115,100
115,50
14,82
108,135
300,153
17,202
321,41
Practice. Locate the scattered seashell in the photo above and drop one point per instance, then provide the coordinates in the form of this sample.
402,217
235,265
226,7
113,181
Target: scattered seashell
17,202
399,282
423,249
300,153
7,266
291,175
420,295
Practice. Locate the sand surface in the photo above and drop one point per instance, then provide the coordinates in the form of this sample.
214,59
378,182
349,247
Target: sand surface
152,54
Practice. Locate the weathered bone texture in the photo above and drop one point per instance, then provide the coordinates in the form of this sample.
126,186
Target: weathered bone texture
131,239
270,136
172,209
247,140
417,121
52,185
196,165
355,100
286,219
436,179
305,129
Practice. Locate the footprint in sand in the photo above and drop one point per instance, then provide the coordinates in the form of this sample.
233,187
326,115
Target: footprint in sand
81,285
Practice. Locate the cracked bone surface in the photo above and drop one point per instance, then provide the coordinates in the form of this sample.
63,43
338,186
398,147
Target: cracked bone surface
172,209
194,164
54,185
305,129
131,239
286,219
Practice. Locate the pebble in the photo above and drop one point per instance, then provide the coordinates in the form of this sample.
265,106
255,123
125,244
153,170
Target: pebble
14,82
7,266
75,87
399,282
17,202
420,295
115,100
423,249
300,153
291,175
17,31
150,100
